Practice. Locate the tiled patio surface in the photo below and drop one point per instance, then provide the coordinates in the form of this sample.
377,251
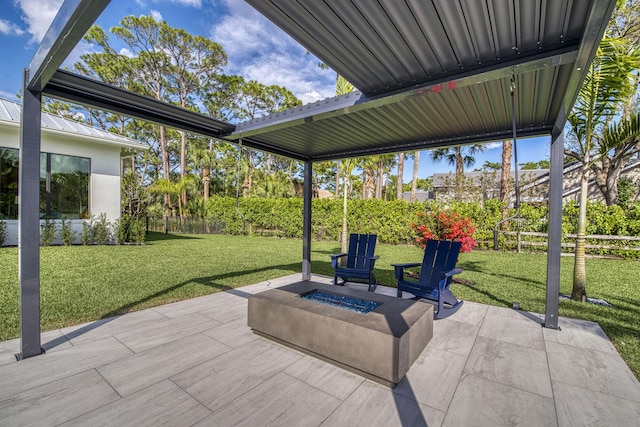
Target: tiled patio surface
197,363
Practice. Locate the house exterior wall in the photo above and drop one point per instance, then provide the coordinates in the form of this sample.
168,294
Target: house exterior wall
104,184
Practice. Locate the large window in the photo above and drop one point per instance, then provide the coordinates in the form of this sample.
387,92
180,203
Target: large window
8,183
64,185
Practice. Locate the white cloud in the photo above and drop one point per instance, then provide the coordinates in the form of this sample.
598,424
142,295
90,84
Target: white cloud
9,28
258,50
38,15
126,52
493,145
157,16
309,97
192,3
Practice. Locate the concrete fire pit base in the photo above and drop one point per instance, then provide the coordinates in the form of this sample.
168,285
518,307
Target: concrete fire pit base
380,345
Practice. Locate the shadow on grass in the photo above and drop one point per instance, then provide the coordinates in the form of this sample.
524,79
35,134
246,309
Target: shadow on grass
156,236
478,267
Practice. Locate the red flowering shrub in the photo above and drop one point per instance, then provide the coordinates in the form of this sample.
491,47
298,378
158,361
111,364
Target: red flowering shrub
445,225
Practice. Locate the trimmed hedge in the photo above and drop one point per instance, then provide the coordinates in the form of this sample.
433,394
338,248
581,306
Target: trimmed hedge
391,220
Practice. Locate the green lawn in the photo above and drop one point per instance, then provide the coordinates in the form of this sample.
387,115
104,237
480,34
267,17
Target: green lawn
84,283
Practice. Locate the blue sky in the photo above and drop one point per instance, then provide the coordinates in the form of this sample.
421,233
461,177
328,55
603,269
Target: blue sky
256,49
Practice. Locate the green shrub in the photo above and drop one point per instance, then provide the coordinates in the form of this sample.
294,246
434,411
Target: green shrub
129,230
47,232
66,233
101,229
87,233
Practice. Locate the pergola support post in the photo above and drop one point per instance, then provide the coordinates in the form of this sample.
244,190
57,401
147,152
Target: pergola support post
306,221
555,230
29,222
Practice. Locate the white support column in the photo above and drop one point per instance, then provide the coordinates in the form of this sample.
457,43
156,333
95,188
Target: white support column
555,230
306,222
29,222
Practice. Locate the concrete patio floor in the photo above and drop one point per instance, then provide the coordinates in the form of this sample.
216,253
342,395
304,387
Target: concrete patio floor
196,362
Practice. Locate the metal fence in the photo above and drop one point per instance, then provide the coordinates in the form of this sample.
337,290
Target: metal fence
625,246
186,225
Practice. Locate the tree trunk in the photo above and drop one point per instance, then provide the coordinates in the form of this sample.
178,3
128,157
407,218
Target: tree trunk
183,164
164,153
345,231
364,183
505,178
337,179
206,181
379,180
579,291
400,172
414,181
459,163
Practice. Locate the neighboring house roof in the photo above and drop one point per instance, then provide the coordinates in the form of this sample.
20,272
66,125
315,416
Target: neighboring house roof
10,114
442,179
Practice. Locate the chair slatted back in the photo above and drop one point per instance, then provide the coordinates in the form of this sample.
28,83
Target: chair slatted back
440,256
361,248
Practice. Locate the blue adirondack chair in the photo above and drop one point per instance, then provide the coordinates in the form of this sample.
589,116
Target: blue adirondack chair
436,273
360,261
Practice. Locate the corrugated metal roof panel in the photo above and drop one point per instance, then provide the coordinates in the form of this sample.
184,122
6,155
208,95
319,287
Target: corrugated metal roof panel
384,44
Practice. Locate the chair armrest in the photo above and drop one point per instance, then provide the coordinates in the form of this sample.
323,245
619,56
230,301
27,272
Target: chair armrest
372,261
453,272
399,269
334,259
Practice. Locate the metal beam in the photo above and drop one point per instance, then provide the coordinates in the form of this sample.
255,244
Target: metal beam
71,23
29,222
76,88
357,101
306,221
554,231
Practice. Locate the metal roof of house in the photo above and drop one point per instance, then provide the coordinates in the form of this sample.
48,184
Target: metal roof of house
476,177
429,73
10,112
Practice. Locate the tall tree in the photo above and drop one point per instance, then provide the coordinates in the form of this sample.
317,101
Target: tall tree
194,60
400,173
505,177
257,100
346,170
609,82
459,156
414,180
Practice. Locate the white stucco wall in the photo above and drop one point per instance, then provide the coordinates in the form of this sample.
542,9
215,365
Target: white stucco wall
104,187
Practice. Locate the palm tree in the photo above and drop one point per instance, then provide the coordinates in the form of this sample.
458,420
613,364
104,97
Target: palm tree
346,170
414,181
400,173
505,177
459,156
609,82
204,159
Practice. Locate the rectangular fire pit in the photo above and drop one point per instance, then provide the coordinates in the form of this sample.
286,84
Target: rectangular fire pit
381,344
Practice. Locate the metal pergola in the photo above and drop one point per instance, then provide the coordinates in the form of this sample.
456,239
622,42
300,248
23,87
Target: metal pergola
429,74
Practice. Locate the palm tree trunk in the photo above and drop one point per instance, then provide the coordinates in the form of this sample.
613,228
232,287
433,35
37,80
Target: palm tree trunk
164,153
505,178
414,181
379,180
400,172
183,164
337,178
345,230
579,291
